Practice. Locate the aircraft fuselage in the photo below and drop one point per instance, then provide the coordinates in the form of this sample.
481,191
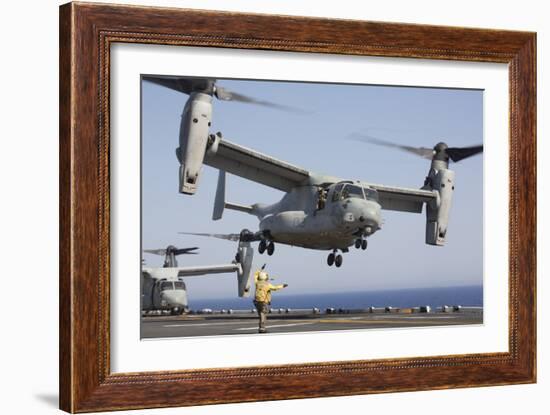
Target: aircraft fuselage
336,223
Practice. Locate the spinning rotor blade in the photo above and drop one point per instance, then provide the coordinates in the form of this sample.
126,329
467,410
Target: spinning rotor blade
155,251
227,95
454,153
227,236
184,85
423,152
208,86
461,153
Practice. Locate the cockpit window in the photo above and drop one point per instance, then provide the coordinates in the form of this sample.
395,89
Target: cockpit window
351,190
167,285
179,285
336,193
347,190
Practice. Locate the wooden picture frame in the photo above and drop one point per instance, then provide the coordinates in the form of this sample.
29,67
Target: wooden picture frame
86,33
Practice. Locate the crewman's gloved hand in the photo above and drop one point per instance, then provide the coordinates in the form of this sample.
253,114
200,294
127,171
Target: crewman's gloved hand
285,285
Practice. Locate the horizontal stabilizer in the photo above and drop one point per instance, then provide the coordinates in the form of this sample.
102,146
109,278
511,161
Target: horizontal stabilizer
240,208
175,272
220,204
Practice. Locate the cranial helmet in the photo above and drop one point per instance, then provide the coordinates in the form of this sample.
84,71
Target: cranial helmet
262,276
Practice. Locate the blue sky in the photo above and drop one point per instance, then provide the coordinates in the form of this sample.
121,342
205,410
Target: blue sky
397,256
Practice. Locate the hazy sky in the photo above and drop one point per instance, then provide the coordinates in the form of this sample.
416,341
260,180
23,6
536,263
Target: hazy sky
397,256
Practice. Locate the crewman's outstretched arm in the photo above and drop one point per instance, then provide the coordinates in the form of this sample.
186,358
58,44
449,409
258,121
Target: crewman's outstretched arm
276,287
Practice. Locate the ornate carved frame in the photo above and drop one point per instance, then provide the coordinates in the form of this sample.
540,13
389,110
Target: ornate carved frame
86,33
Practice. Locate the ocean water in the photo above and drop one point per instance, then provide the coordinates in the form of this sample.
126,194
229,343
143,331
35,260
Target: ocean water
435,297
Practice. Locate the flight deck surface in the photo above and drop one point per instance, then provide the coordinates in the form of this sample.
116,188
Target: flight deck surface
193,325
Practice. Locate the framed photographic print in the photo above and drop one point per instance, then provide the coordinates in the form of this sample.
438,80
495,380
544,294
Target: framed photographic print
276,203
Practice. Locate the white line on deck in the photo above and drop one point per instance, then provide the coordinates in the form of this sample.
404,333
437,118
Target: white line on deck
277,325
203,324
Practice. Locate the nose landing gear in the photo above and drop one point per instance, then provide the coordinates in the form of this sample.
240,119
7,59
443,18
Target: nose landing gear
361,243
266,246
262,246
334,259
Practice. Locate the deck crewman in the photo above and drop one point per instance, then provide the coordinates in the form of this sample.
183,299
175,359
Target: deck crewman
262,297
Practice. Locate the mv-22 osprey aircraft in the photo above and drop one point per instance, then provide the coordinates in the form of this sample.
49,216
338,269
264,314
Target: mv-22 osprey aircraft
163,288
318,211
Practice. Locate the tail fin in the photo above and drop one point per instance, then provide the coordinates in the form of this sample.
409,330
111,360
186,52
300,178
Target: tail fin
219,201
245,254
220,204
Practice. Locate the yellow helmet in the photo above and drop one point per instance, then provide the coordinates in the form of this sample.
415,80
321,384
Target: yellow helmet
262,276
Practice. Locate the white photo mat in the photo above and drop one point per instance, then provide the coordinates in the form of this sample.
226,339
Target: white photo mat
130,354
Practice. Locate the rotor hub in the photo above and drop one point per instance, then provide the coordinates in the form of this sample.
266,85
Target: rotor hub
440,152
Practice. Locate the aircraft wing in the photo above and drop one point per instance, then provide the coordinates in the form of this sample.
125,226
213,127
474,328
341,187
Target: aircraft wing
403,199
172,273
269,171
255,166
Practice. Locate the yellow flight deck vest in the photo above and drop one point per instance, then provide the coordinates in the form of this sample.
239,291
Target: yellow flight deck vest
263,289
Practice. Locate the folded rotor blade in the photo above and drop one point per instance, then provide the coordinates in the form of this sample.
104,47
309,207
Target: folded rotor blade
423,152
227,236
461,153
186,251
173,250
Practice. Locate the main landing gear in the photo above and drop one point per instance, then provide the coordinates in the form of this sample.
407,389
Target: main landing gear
334,258
268,246
361,243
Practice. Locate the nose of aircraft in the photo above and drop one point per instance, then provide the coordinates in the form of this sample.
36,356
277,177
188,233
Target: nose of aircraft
370,216
174,298
363,214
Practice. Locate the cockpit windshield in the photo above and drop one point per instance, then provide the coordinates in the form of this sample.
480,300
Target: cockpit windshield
347,190
351,190
166,285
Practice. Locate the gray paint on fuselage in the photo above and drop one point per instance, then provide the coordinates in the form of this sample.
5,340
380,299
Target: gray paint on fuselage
296,220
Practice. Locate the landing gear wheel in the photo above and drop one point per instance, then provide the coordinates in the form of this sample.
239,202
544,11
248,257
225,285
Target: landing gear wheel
338,261
270,248
364,244
358,243
330,259
262,246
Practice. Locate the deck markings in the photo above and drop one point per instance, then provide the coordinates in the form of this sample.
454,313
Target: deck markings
202,324
276,325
